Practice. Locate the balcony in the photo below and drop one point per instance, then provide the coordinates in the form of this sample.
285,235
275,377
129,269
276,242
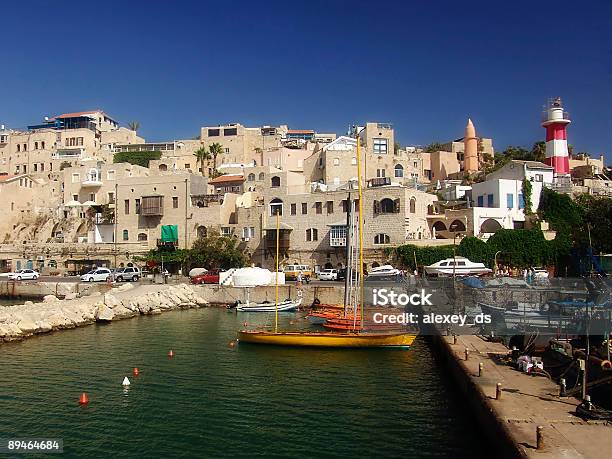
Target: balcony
68,153
337,235
167,244
152,206
92,180
379,181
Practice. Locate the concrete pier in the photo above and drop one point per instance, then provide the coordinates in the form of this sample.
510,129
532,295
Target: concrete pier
527,405
37,290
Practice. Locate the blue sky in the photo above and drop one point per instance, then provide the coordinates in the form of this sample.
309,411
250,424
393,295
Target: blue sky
423,66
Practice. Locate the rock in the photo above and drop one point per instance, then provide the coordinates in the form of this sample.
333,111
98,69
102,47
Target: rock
43,327
124,287
50,299
111,300
27,326
155,311
71,296
28,303
104,313
121,312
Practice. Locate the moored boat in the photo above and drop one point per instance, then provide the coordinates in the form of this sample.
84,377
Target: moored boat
327,339
457,266
283,306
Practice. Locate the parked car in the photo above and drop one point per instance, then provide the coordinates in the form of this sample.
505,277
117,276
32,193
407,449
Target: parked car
97,275
131,273
328,274
292,271
210,277
24,274
342,274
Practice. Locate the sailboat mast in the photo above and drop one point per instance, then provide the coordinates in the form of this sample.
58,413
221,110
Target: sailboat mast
276,273
347,271
359,187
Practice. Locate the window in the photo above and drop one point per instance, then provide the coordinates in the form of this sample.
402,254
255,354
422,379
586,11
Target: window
142,237
42,167
336,161
312,234
276,207
382,238
489,200
510,200
354,161
521,201
42,145
187,166
293,209
126,235
412,205
111,197
35,167
226,231
76,178
230,131
319,207
481,201
126,207
227,150
380,146
18,147
213,132
110,175
539,177
380,172
175,202
387,206
251,177
275,181
75,197
262,176
330,207
345,205
304,208
137,206
399,170
35,145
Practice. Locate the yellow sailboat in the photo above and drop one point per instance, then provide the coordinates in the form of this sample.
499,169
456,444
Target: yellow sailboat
355,338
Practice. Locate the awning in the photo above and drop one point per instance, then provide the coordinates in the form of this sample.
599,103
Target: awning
169,233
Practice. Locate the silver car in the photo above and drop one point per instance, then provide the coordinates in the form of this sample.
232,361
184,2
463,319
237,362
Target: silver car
131,273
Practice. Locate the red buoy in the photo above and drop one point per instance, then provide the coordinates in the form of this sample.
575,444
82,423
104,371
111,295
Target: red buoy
232,343
83,399
136,371
171,353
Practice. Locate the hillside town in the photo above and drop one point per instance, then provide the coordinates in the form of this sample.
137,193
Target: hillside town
79,190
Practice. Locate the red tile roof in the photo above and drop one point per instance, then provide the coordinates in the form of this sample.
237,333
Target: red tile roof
226,179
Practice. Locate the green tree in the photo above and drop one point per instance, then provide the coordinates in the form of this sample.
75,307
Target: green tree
133,126
215,150
215,251
538,151
202,157
434,146
139,158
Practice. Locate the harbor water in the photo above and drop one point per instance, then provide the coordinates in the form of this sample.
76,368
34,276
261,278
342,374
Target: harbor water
214,400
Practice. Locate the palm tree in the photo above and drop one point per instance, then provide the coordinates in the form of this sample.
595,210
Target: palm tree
133,126
202,156
215,150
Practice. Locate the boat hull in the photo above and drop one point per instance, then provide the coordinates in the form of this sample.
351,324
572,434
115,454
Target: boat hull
263,307
339,340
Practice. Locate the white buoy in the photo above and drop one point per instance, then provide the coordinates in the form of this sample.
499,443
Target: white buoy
126,381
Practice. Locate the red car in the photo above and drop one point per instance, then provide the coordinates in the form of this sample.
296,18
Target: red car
210,277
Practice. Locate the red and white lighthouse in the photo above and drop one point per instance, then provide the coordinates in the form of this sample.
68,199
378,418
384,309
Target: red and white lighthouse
555,121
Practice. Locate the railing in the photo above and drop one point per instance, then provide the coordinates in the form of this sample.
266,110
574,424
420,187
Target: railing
203,200
169,244
379,181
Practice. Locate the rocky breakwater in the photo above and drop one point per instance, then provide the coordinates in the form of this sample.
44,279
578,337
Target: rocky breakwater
28,319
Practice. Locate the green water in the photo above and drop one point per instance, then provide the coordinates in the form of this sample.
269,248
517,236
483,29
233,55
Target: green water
212,400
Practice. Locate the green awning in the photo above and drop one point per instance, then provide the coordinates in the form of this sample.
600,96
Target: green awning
169,233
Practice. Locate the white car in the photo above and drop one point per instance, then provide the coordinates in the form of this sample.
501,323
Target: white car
96,275
328,274
24,274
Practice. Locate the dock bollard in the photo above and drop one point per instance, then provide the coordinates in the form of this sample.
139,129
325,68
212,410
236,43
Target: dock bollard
454,339
467,354
480,369
539,437
498,391
562,388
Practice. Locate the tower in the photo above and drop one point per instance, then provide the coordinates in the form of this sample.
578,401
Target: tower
555,121
470,148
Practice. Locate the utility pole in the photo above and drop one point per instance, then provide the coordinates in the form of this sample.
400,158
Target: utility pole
116,219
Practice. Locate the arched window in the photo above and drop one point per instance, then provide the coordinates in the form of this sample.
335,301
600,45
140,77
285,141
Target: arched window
382,238
202,231
52,264
142,237
126,235
399,170
412,205
276,207
490,226
163,167
439,226
312,234
262,176
275,182
251,177
456,225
